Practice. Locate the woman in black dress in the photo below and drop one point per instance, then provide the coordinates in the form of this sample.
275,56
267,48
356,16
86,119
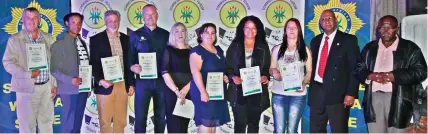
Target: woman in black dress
176,74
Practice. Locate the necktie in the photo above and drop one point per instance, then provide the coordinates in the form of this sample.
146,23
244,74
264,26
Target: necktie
323,58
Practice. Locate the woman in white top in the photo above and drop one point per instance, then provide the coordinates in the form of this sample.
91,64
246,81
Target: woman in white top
291,67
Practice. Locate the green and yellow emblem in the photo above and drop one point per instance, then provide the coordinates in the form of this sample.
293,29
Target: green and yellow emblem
135,14
347,21
232,12
278,12
94,15
48,21
187,12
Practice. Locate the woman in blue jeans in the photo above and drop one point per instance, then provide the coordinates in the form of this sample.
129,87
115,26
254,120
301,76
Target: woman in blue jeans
291,69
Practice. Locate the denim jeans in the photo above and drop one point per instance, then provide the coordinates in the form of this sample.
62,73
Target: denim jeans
287,112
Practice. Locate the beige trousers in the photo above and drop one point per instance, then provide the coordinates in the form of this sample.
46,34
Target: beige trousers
35,109
113,106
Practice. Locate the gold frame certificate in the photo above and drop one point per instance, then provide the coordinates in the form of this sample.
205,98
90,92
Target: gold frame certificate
85,73
112,69
215,86
251,80
149,69
291,79
37,57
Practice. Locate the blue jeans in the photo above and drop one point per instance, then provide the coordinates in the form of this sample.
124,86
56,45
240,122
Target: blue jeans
287,111
143,94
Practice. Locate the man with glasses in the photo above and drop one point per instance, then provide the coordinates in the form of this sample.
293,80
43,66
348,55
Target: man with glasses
391,68
333,86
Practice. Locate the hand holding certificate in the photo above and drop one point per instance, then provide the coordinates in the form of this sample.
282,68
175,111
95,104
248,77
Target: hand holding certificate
250,80
112,69
148,65
214,86
186,110
85,73
37,57
291,79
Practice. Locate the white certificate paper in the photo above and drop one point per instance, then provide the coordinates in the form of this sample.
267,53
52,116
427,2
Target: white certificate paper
291,79
37,57
148,65
85,73
251,80
187,110
215,86
112,69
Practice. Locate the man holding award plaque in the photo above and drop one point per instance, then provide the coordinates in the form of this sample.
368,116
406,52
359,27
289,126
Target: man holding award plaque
147,46
26,58
70,66
111,74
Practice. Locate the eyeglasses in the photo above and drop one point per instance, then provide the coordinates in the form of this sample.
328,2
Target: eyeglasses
327,19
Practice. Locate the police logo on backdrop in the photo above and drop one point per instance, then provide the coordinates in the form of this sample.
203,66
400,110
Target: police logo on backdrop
94,13
48,21
134,10
347,21
189,13
230,13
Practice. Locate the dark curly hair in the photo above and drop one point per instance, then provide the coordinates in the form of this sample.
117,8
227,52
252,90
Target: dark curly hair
260,35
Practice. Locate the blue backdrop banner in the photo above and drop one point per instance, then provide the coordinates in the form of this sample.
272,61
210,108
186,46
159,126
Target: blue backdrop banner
353,16
52,12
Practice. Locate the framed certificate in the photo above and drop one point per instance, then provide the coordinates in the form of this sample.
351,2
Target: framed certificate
37,57
214,86
85,73
148,65
291,79
112,69
251,80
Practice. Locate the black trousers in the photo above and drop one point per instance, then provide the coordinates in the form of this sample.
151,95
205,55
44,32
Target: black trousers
244,115
336,114
174,124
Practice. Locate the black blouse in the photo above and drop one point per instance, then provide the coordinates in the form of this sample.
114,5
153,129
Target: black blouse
175,62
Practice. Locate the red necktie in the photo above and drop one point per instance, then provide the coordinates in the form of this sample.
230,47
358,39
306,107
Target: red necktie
323,58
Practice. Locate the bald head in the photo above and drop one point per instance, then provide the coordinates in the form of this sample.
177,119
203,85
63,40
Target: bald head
388,19
328,21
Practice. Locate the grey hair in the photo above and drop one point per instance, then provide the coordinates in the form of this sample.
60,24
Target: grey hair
31,9
111,12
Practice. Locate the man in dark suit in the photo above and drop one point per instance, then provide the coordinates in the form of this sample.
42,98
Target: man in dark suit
333,86
112,98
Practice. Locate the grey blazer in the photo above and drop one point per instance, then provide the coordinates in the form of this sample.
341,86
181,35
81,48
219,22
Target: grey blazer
65,63
15,61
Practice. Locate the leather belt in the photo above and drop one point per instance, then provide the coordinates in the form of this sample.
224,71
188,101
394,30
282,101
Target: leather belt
41,83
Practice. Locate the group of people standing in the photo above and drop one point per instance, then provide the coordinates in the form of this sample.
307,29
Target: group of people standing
332,66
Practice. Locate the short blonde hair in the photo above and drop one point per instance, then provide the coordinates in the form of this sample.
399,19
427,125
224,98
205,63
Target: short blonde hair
171,40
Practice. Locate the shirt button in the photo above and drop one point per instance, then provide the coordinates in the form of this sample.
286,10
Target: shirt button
334,79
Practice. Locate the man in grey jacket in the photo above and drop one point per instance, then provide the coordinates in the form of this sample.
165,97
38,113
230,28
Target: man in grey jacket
35,88
67,54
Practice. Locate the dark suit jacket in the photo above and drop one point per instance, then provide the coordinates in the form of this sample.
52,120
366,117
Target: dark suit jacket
339,76
100,48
